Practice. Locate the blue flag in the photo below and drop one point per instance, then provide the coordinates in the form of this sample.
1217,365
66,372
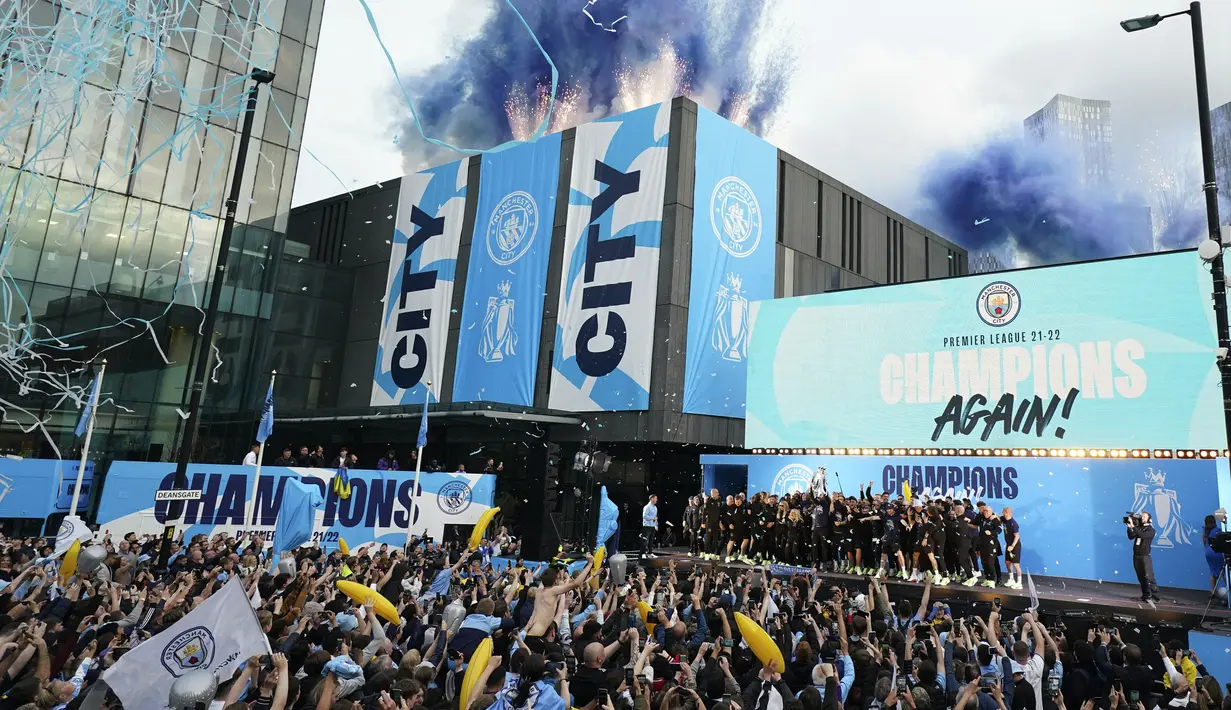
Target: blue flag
296,516
423,426
608,519
88,410
267,416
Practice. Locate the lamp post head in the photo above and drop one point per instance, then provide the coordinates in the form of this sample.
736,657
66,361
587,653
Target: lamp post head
262,76
1141,23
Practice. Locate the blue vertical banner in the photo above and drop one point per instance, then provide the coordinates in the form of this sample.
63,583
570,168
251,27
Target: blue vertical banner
609,285
419,292
502,315
733,236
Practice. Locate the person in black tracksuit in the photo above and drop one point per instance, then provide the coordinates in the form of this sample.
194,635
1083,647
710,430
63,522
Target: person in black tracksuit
1143,536
989,547
820,532
692,525
714,508
958,541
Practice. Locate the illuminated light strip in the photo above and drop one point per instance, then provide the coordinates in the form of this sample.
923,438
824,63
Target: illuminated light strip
1019,453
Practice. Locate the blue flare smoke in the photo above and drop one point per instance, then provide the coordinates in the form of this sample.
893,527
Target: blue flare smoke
1029,202
461,99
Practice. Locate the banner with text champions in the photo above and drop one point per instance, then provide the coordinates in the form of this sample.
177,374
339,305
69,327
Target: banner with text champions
498,345
419,291
1069,509
1110,354
733,237
609,285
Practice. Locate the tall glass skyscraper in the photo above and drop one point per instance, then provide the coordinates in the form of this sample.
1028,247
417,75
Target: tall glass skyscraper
118,131
1080,128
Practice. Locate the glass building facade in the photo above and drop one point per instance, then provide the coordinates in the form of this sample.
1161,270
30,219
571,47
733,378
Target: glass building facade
111,224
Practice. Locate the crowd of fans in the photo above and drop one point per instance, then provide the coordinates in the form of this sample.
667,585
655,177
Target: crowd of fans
661,638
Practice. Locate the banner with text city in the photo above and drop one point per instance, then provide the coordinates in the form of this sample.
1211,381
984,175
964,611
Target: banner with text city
609,285
419,291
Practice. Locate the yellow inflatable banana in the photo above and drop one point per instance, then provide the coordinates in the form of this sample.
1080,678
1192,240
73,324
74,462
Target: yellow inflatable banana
360,594
644,608
68,566
906,494
763,647
478,663
480,528
343,547
599,555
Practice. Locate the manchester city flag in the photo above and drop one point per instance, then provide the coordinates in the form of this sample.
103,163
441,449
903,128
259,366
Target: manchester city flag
88,410
267,416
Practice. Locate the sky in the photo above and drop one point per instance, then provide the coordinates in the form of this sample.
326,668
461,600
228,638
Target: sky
880,89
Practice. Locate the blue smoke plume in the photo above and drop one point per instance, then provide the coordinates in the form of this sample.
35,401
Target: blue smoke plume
462,99
1026,205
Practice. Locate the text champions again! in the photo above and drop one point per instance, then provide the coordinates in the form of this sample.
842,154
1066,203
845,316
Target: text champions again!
1099,369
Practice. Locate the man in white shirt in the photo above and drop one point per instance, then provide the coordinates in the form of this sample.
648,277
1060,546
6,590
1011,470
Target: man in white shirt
1031,663
250,459
649,526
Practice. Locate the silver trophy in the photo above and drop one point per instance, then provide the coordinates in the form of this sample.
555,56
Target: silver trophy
454,613
193,690
619,567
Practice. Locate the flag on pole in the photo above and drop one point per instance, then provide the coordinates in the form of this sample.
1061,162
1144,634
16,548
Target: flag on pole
423,425
1034,596
608,519
267,416
88,410
73,529
296,515
220,635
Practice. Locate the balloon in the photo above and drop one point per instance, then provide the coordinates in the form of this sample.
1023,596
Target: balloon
619,567
68,567
478,663
599,554
359,593
763,647
476,535
343,547
454,613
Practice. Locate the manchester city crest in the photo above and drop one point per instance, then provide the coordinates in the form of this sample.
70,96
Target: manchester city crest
999,303
188,651
454,497
793,478
735,216
511,228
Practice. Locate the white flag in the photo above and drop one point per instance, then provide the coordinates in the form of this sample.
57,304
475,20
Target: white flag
71,530
1034,597
220,635
256,598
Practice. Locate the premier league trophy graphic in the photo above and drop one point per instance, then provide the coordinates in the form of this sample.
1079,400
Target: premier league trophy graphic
731,320
499,338
1163,505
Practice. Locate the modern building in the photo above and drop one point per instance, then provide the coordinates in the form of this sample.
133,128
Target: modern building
111,193
1079,128
828,237
984,262
1220,119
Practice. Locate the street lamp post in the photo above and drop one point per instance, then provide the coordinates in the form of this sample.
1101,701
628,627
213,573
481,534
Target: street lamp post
205,346
1210,188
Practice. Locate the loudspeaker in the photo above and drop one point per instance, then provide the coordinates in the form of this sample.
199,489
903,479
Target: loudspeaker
540,533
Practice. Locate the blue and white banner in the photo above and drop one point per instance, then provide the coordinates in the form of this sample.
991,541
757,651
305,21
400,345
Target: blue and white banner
1107,354
733,235
419,291
609,285
376,510
1069,510
502,316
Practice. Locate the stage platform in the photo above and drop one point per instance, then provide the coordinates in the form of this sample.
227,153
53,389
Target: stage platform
1182,608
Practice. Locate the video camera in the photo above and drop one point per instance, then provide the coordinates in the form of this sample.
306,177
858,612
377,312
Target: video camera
1134,517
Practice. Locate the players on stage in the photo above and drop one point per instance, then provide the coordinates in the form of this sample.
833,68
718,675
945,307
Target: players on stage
941,540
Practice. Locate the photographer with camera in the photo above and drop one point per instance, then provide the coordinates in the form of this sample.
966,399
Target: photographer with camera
1141,532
